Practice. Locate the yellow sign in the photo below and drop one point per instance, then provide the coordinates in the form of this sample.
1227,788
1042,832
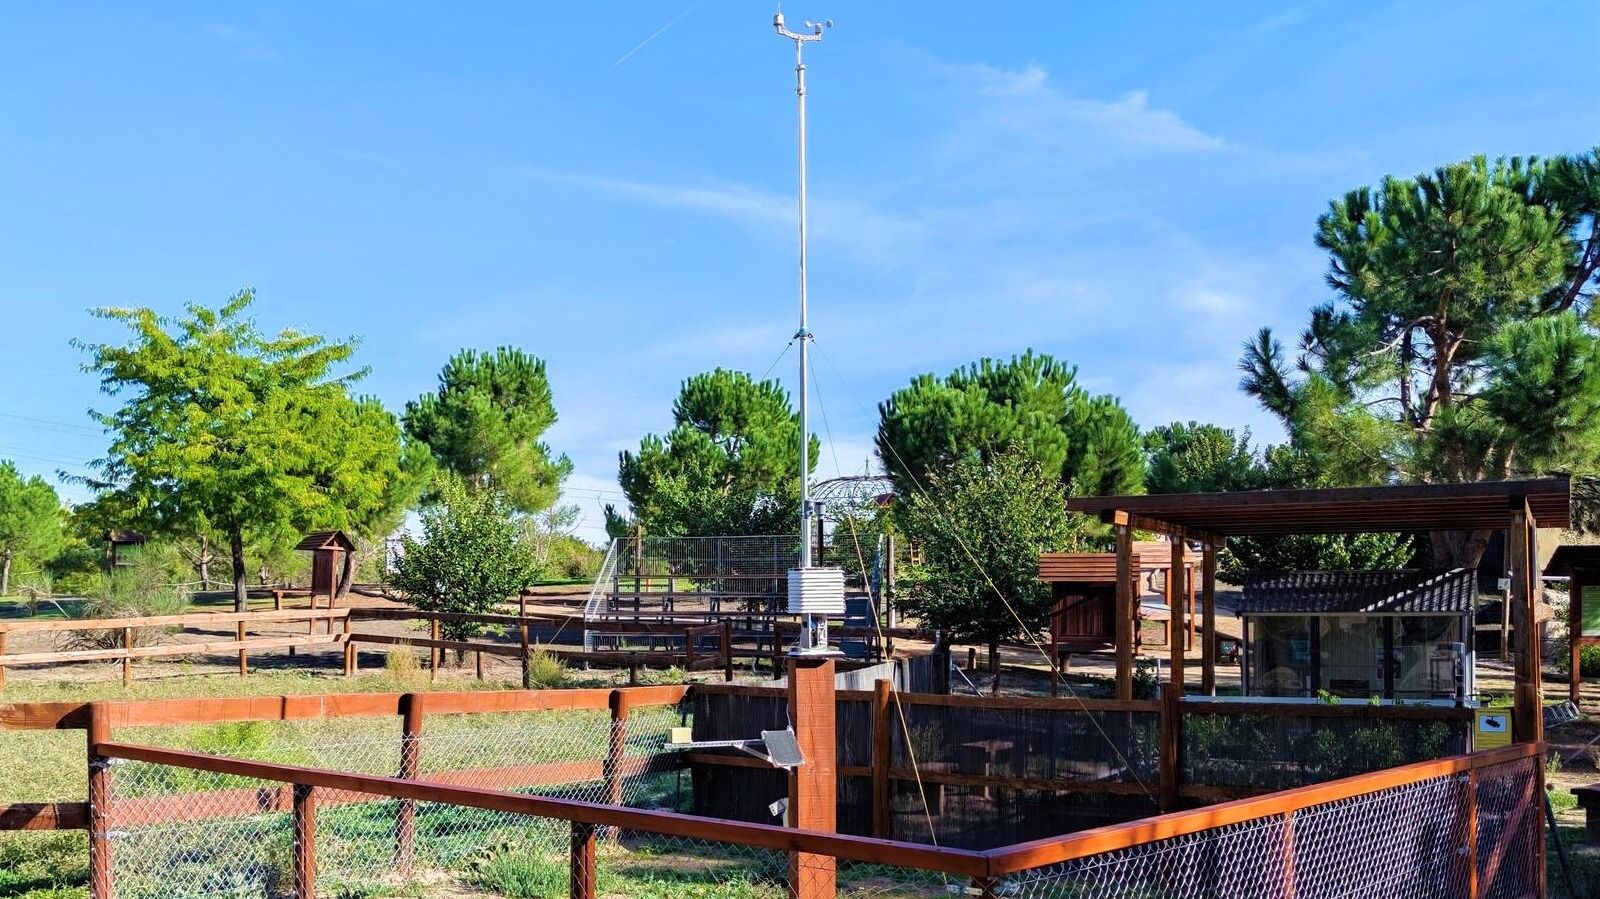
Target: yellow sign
1493,729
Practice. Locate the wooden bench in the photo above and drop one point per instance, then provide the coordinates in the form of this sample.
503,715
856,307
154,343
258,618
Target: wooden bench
1589,801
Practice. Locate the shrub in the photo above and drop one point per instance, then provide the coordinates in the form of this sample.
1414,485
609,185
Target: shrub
545,670
1589,661
402,665
127,594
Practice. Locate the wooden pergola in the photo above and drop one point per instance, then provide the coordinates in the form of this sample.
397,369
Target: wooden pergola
1517,507
1581,565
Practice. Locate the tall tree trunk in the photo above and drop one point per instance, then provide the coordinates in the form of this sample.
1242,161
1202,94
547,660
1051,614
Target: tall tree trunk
346,576
241,600
205,562
5,574
1459,549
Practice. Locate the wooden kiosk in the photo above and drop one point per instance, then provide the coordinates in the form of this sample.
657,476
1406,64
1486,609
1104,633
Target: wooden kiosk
1452,511
330,555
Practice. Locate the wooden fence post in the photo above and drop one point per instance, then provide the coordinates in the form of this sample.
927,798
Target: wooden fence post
127,662
1170,746
616,746
350,660
688,650
727,650
477,663
99,731
522,637
1471,838
305,842
881,749
405,825
433,651
244,654
584,876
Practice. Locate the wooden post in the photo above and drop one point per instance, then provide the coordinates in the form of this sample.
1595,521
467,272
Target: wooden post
882,746
1055,662
972,658
891,614
616,747
1527,718
1208,615
99,731
434,654
1580,578
1170,740
522,637
405,824
727,650
584,876
1125,607
244,654
477,663
305,842
350,660
127,661
1189,579
688,650
1288,856
1178,587
813,786
522,605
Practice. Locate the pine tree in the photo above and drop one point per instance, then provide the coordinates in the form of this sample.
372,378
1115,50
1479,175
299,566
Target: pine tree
30,522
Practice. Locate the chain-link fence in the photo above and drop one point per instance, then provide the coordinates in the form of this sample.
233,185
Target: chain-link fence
459,805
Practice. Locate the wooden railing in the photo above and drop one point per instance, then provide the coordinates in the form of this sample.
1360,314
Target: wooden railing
125,630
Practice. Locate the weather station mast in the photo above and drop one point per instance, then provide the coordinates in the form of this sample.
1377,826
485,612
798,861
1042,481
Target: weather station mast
815,592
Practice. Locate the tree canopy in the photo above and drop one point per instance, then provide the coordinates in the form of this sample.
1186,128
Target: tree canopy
225,430
1459,344
1205,458
1031,402
981,523
484,424
730,464
30,522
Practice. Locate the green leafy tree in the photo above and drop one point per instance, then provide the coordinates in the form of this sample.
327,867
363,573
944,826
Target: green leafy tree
1459,344
729,465
471,556
1032,402
982,523
1199,458
30,522
484,425
225,430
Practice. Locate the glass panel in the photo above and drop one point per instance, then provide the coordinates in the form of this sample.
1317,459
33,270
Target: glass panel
1352,655
1280,663
1425,663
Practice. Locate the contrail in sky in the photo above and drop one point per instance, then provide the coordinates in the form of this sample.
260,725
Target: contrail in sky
655,34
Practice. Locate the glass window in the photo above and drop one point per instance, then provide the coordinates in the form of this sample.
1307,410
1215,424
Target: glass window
1351,649
1280,655
1425,664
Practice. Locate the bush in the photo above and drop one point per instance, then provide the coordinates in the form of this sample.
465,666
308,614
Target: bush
127,594
402,665
545,671
1589,661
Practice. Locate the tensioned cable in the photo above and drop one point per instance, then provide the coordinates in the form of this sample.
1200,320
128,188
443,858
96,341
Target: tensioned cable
855,538
1055,665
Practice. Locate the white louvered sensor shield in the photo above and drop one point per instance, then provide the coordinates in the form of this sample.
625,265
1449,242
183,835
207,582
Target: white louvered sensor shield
816,591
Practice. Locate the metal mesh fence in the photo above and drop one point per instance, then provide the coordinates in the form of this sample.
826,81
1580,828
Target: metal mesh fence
1281,751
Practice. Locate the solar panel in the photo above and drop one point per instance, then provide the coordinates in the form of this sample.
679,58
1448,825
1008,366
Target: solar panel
782,748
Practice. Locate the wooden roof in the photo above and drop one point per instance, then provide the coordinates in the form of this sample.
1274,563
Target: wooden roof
1569,556
326,540
1340,510
1080,568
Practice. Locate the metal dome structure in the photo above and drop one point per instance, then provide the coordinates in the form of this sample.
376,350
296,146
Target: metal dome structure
838,497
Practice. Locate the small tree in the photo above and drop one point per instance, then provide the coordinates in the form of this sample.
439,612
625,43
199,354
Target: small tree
982,524
30,521
470,557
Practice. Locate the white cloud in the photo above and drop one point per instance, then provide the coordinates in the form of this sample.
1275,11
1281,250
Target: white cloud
1028,103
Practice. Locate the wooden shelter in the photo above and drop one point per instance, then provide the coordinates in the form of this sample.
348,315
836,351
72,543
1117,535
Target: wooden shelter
1517,507
330,550
114,541
1083,588
1581,566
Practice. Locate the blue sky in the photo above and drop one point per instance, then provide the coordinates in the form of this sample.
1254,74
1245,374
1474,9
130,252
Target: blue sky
1132,187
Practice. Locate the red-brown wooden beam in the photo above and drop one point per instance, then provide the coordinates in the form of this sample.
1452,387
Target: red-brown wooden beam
813,786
